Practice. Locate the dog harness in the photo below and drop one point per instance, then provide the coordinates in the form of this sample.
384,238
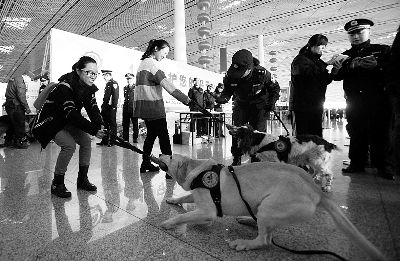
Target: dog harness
282,147
209,179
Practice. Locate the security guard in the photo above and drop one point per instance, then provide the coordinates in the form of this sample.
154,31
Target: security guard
363,84
254,94
127,109
109,107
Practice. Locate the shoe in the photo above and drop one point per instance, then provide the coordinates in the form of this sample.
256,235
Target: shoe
353,169
60,190
134,141
385,174
237,161
148,167
85,185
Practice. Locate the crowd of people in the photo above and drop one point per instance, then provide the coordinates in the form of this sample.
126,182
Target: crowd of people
367,70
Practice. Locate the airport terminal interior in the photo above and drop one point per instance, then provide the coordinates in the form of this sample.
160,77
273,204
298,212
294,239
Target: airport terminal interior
122,220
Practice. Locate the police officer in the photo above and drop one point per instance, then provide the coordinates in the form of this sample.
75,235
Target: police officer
363,84
127,109
109,107
254,94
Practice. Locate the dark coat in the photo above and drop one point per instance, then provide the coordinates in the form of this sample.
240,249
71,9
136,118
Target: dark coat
310,79
257,89
392,77
196,94
208,100
111,96
360,80
16,93
63,106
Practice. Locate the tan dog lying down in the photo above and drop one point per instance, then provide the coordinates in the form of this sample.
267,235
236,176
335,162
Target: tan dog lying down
279,194
303,150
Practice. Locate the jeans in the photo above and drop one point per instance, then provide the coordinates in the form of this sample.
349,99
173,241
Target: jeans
67,139
156,128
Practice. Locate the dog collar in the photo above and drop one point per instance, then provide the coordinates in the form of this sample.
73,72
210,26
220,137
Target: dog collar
209,179
282,147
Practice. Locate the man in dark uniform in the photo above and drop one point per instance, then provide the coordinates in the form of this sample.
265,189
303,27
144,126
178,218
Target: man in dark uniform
109,107
254,94
366,111
127,109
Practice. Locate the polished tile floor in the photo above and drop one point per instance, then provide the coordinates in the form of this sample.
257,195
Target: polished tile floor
122,220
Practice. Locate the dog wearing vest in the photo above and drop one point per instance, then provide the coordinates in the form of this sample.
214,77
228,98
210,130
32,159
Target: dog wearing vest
302,150
278,194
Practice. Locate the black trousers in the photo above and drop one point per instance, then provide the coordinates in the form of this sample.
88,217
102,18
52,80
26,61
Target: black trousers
156,128
127,118
367,118
308,122
252,114
110,122
17,118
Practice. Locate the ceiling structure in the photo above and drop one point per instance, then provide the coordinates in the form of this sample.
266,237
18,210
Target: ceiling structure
235,24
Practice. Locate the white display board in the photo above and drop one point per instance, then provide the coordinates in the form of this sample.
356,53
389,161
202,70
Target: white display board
66,49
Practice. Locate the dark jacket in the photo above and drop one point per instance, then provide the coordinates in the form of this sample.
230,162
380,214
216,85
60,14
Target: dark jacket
392,77
208,100
310,79
360,80
64,105
111,95
196,94
257,88
16,93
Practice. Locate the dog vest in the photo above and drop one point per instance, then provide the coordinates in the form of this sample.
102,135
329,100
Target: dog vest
282,147
209,179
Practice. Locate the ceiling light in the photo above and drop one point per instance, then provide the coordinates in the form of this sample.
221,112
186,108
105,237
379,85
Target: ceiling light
226,34
16,23
6,49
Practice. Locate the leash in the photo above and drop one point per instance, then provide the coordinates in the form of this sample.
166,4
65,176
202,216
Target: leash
280,120
299,252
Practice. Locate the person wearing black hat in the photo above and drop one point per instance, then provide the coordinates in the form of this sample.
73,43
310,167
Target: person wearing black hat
109,107
363,84
127,109
254,94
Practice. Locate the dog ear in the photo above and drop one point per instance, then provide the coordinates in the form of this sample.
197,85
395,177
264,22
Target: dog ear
232,129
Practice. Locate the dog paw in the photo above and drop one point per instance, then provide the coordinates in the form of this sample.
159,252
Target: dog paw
242,244
172,201
167,225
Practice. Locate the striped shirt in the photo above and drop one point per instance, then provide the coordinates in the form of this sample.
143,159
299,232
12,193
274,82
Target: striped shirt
148,99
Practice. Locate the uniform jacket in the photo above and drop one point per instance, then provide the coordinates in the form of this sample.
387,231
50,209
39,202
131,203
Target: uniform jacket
16,92
360,80
257,88
129,92
196,94
111,95
63,106
309,78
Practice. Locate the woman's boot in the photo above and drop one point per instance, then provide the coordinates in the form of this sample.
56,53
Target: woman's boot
58,187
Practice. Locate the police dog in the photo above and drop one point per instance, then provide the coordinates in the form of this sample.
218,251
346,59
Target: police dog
278,194
302,150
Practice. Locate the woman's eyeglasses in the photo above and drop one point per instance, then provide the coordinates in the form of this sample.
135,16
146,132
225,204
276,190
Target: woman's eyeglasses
90,73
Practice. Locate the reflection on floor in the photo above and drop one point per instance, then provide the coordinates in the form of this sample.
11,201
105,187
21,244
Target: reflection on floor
122,220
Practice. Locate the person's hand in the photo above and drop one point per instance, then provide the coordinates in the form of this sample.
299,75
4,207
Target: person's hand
101,133
368,62
333,59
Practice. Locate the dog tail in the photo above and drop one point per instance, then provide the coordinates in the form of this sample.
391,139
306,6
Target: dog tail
349,229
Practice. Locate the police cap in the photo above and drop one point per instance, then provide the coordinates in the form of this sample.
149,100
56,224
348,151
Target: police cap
106,71
242,60
358,24
129,76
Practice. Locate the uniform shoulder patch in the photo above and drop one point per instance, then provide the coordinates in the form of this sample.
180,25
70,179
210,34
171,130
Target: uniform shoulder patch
115,85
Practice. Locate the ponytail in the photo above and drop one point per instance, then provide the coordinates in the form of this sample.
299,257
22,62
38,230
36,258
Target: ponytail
151,48
315,40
